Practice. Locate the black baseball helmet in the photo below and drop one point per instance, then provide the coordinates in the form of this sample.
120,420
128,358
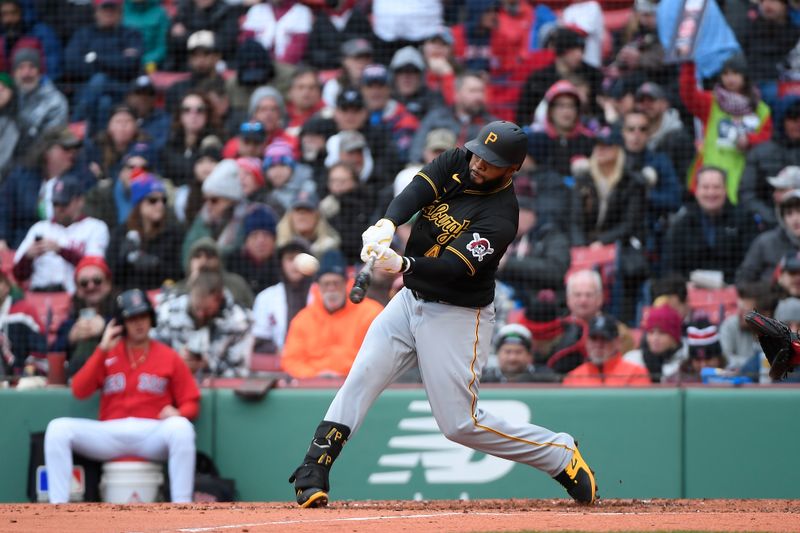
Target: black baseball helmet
134,302
500,143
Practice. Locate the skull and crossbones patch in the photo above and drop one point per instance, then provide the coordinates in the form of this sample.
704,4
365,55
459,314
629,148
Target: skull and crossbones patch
479,247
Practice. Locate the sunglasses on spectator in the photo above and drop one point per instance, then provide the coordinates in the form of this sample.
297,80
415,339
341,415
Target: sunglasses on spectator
212,200
190,109
131,166
85,282
636,128
153,200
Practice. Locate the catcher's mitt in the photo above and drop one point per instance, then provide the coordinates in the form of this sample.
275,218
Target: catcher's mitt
776,340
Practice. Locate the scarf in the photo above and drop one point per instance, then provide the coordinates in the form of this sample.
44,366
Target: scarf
655,361
734,103
605,185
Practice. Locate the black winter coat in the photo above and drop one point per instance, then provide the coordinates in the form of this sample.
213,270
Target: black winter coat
687,247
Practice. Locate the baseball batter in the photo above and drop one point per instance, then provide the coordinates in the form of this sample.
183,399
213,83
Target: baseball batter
148,393
443,319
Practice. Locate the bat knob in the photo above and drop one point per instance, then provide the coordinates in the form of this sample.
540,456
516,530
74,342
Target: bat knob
357,294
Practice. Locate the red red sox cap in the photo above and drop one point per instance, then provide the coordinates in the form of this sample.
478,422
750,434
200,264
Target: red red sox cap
500,143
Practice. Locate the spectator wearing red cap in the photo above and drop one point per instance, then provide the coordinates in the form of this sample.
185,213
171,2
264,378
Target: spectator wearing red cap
22,339
662,350
145,249
19,28
91,308
556,341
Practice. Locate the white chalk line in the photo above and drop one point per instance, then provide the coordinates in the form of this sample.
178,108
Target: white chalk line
316,521
414,516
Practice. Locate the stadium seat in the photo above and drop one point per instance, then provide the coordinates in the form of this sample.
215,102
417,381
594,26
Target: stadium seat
265,362
717,303
52,309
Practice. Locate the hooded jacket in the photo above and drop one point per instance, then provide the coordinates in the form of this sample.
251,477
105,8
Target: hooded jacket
151,20
672,139
764,161
765,253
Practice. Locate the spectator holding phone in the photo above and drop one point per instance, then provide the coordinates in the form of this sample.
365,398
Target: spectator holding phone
92,306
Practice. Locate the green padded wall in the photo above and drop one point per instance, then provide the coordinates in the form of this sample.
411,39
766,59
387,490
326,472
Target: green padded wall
26,412
743,443
399,453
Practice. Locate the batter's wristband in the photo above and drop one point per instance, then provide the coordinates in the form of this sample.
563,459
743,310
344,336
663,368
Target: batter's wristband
408,265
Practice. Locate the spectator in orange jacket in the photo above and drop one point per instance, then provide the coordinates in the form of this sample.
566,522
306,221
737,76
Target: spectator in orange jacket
324,337
606,367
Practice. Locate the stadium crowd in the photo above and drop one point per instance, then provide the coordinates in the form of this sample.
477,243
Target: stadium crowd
194,148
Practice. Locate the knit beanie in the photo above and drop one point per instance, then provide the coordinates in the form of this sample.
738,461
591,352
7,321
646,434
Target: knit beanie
144,185
260,218
253,166
22,55
266,92
543,317
702,337
278,153
93,260
665,318
224,181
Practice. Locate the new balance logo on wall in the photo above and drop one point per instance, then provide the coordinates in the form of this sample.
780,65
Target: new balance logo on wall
420,444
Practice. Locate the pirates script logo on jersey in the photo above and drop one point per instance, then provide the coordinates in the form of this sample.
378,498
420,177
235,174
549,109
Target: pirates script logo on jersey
451,228
479,246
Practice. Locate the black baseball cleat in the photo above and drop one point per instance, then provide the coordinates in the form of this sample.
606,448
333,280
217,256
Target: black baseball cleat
578,479
310,485
312,497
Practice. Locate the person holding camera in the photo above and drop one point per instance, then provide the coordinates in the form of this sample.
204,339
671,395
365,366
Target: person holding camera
91,307
147,398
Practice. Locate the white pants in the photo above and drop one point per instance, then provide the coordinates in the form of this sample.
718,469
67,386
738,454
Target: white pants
171,439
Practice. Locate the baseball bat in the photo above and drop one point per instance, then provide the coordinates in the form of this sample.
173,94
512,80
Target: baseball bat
363,279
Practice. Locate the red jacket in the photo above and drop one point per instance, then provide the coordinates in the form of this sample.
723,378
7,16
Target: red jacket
162,379
616,372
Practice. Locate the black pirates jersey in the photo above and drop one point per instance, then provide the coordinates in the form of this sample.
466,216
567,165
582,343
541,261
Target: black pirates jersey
468,226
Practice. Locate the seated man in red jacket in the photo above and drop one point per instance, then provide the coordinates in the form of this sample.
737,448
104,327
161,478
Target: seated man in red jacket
605,366
147,396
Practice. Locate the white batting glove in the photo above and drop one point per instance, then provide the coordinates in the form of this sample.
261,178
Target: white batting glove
389,261
376,239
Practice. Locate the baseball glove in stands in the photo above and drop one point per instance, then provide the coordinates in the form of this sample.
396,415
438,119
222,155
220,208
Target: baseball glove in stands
780,344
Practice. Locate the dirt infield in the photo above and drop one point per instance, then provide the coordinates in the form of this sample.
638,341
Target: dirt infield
417,517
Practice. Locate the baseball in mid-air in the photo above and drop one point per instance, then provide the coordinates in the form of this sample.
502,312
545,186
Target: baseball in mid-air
307,264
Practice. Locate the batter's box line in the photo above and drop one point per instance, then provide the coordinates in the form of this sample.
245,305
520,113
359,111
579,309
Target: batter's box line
330,520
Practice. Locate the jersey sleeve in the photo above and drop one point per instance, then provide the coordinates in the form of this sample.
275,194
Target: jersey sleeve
427,185
481,246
